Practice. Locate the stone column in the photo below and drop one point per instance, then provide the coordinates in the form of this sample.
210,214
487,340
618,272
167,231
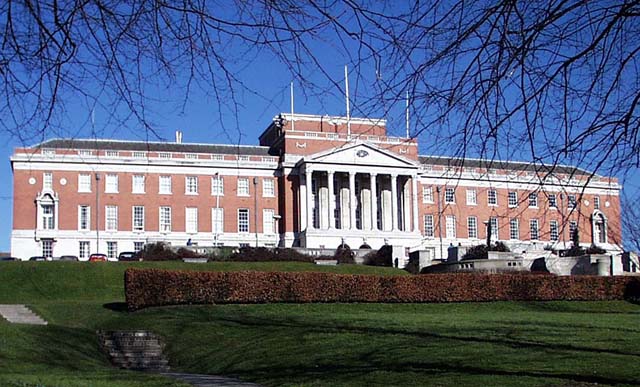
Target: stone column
414,190
374,202
352,200
332,207
394,202
308,176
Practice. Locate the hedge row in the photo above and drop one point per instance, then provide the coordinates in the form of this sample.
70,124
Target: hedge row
152,287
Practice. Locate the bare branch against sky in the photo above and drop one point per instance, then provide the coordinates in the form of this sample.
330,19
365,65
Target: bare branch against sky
548,81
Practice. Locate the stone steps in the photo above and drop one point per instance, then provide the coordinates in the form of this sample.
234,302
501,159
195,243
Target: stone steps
20,314
134,350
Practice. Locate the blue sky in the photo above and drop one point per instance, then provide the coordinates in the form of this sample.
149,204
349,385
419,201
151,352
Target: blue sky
261,91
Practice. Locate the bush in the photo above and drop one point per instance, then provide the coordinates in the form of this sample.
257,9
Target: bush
481,251
593,249
158,251
263,254
382,257
344,255
152,287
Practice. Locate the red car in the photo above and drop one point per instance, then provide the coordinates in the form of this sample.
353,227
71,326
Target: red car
97,258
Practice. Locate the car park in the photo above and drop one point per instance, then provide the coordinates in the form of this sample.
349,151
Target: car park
68,258
9,259
128,256
38,258
97,258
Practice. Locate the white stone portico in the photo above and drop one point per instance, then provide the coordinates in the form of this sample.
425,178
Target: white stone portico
358,194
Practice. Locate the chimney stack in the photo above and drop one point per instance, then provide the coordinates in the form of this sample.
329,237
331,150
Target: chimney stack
178,137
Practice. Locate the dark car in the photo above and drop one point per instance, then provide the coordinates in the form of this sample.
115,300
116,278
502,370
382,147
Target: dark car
128,256
97,258
68,258
9,259
38,258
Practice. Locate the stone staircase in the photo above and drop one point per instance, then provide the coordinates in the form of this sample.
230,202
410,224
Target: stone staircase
20,314
134,350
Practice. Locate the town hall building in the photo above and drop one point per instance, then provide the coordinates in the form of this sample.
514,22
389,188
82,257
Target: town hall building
314,181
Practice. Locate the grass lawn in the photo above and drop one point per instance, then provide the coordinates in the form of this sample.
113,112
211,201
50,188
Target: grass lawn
494,344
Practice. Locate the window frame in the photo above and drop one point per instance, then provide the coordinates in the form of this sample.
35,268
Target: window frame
84,186
87,215
472,197
450,195
217,186
513,199
532,230
243,190
111,184
428,229
162,187
514,230
165,219
492,197
427,194
243,221
137,225
450,227
472,221
138,184
533,199
268,190
191,220
111,218
191,185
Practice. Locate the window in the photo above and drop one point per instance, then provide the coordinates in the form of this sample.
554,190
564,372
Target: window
191,185
513,199
164,187
573,228
572,201
533,199
217,186
596,202
138,218
243,220
243,187
427,194
111,218
137,246
552,201
268,188
492,197
553,230
84,183
449,195
217,220
268,222
533,229
84,218
84,249
47,180
493,222
47,248
165,219
111,184
48,217
112,250
191,220
451,226
514,229
428,226
472,226
472,197
137,184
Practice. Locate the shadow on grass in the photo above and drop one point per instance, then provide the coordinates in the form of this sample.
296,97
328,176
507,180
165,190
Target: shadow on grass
120,307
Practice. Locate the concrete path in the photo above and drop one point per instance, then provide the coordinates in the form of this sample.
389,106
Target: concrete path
208,380
20,314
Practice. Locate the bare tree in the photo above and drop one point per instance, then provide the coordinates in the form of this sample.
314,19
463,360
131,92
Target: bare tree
549,81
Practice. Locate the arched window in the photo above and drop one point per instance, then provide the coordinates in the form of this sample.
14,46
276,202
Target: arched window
599,227
47,211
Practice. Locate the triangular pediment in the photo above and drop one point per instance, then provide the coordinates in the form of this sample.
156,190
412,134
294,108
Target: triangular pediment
361,154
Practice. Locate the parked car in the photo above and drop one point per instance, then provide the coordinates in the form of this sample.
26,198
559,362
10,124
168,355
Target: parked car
9,259
128,256
98,258
38,258
68,258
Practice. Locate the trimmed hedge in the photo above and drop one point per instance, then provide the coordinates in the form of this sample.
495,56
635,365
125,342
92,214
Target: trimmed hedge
153,287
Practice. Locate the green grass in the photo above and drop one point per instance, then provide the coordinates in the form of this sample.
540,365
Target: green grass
481,344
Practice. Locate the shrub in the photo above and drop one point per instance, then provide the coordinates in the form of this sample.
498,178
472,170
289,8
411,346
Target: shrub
188,253
263,254
344,255
476,252
158,251
382,257
152,287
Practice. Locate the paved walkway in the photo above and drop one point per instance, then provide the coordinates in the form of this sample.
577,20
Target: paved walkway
209,380
20,314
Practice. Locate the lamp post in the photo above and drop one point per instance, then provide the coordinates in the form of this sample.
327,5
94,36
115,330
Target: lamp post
487,225
97,212
218,186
